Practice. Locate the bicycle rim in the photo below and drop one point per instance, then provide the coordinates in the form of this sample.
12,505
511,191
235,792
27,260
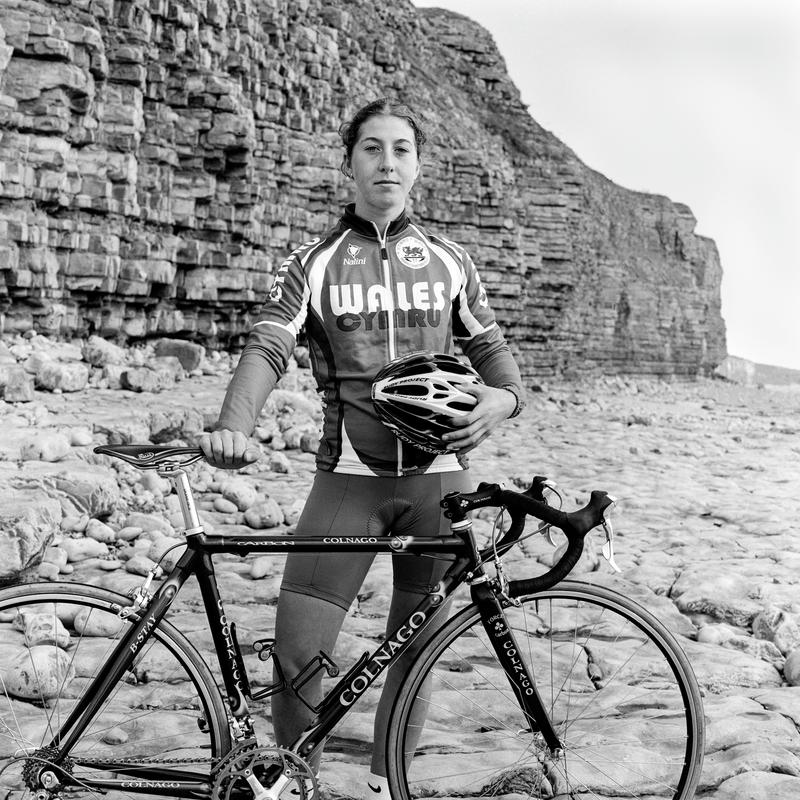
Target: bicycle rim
53,640
619,691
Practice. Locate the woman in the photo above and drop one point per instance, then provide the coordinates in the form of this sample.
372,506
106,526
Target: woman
375,287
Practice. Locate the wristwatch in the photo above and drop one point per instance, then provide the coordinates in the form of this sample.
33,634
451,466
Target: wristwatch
510,387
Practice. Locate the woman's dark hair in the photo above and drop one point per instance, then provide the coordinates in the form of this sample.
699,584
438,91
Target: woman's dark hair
349,131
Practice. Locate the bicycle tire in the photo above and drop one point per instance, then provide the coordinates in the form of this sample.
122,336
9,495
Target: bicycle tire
620,692
53,639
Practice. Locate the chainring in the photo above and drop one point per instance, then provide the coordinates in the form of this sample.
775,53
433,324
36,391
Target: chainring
247,763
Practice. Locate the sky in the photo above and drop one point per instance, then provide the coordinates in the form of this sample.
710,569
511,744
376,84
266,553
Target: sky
698,100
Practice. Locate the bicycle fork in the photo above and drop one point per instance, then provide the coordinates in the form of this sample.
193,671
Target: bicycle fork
508,653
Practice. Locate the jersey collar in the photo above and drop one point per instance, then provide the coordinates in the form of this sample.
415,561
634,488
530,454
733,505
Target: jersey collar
351,220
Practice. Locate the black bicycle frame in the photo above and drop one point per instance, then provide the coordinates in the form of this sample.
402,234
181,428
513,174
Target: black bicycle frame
197,560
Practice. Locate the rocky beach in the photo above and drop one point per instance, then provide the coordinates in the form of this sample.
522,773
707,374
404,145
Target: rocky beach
707,529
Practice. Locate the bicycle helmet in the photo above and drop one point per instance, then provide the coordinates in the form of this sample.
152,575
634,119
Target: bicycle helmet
417,395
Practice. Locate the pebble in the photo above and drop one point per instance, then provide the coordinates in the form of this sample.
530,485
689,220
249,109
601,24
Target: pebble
48,571
115,736
225,506
100,532
791,669
264,514
158,551
139,565
279,462
91,622
80,437
129,533
81,549
240,492
262,566
148,522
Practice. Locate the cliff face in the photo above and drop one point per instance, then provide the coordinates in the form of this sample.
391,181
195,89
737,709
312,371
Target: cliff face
159,158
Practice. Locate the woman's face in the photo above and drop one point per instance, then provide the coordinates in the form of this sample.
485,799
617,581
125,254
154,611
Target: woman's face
385,165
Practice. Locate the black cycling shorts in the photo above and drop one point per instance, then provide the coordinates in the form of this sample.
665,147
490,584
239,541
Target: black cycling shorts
361,505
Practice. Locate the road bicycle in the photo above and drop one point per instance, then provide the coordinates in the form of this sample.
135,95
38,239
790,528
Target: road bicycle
539,687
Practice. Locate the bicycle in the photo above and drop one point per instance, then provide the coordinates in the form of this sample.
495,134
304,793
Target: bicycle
541,687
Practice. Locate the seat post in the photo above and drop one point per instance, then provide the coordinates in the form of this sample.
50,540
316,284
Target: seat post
178,478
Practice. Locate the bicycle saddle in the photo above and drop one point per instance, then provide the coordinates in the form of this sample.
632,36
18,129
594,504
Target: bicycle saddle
151,456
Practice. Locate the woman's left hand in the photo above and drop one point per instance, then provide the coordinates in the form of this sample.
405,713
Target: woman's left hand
494,406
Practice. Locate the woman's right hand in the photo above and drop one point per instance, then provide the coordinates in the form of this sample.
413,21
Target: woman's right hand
228,449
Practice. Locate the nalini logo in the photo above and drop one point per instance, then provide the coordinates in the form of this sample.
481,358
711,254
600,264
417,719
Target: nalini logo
352,259
413,252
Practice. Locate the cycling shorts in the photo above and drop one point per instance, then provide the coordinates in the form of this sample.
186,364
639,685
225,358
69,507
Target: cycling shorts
345,505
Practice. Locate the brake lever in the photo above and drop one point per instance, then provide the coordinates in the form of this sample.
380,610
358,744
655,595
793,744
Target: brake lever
549,488
608,546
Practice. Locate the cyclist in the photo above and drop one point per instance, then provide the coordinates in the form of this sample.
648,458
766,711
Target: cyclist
375,287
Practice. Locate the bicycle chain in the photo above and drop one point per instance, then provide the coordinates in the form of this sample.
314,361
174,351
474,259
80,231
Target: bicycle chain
99,762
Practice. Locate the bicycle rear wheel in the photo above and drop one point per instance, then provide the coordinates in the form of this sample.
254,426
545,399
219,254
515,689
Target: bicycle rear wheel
620,692
165,713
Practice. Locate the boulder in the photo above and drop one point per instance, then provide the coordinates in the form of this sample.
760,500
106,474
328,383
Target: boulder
44,446
178,422
18,386
39,673
189,354
759,786
144,379
55,376
92,489
718,592
43,628
169,366
778,626
112,374
29,519
100,353
132,428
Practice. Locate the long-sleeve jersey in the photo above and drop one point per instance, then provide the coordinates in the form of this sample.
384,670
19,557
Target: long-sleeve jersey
366,296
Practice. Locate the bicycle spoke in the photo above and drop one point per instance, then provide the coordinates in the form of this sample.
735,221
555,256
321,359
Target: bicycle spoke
126,730
614,694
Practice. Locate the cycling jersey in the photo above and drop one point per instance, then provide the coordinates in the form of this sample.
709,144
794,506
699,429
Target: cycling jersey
366,296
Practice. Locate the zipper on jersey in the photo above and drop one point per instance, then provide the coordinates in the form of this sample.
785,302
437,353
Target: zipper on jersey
386,268
387,282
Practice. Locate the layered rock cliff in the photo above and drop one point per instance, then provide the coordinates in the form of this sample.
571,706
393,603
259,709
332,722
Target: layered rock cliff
158,159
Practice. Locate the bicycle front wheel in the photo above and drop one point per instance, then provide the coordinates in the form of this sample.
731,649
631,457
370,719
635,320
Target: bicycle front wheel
619,691
166,712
